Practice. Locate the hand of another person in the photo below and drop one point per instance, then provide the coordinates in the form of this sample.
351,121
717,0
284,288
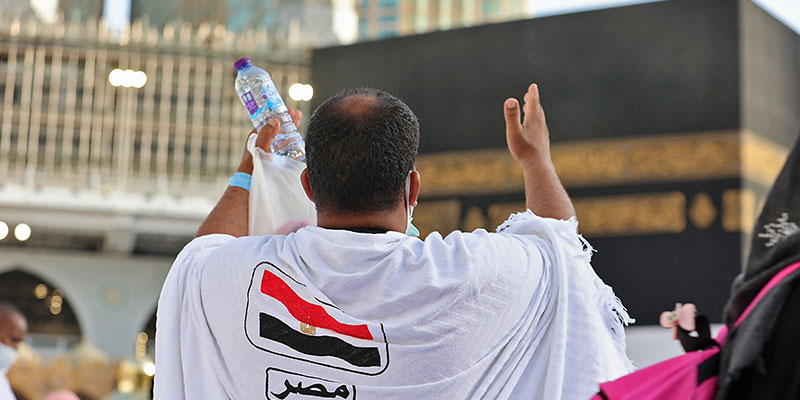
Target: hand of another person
265,137
529,141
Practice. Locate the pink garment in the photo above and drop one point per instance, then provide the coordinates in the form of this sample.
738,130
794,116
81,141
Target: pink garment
62,395
692,376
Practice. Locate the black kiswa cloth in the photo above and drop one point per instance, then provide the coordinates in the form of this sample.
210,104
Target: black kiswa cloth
761,359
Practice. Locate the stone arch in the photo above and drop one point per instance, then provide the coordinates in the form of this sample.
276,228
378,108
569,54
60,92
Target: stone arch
53,326
112,297
52,320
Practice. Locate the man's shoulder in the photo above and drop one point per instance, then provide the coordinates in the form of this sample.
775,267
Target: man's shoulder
212,244
209,253
482,236
236,250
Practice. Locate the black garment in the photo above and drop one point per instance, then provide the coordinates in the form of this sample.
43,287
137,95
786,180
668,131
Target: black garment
761,359
776,374
751,346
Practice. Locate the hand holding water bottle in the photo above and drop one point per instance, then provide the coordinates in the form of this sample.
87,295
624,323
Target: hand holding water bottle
266,136
260,97
277,203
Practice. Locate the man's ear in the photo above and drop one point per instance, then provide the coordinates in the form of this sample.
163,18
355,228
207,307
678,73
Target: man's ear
306,184
413,190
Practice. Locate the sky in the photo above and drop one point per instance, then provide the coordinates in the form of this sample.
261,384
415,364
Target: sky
788,11
552,7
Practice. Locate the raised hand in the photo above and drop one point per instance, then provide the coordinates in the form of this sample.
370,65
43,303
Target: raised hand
265,137
529,141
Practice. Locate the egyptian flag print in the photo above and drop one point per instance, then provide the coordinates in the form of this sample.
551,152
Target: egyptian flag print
285,318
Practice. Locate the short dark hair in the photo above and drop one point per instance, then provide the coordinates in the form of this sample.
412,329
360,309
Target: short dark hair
360,146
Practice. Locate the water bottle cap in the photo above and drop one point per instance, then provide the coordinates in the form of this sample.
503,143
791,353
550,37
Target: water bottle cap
241,62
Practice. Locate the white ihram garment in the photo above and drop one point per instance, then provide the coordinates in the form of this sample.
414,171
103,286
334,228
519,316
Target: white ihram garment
5,388
513,315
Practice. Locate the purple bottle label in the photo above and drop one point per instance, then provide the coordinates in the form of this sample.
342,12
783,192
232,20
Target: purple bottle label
249,102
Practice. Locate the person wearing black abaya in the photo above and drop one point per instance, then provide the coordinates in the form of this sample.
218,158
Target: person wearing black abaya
761,359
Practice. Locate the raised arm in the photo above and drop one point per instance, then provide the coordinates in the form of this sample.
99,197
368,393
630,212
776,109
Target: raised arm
229,216
529,143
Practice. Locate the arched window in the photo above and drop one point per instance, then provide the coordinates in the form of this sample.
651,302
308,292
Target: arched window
51,320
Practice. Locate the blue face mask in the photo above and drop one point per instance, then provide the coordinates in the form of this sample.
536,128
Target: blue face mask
411,230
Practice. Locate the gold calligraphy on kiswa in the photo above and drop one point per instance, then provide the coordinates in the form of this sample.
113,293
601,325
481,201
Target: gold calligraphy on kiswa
612,161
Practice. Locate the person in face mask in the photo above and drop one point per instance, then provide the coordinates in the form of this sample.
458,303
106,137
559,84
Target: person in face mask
13,328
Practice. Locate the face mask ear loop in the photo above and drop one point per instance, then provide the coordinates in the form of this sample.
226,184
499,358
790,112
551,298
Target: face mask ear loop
411,230
408,196
408,189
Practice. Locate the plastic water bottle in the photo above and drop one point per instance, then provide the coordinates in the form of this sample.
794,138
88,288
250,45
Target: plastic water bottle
263,102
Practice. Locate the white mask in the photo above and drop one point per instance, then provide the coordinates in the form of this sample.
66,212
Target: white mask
411,230
8,356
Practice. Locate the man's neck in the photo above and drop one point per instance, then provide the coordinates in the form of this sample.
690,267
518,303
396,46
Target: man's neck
381,221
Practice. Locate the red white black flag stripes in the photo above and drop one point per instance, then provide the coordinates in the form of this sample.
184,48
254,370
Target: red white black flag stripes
283,317
308,313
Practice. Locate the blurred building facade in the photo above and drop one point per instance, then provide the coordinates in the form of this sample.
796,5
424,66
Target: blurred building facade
112,177
386,18
298,22
81,10
304,23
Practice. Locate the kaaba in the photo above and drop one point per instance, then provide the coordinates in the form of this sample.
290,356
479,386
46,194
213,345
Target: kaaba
669,121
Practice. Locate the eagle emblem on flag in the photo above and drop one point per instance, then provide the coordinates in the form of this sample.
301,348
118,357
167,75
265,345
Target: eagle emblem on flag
284,317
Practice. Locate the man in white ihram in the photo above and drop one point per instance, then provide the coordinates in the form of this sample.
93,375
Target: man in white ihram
355,308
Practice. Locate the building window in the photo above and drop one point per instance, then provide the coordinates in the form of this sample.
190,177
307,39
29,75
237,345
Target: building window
491,7
385,33
387,3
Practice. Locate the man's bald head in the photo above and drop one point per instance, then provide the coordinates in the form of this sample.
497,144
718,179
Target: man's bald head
360,146
13,326
357,105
